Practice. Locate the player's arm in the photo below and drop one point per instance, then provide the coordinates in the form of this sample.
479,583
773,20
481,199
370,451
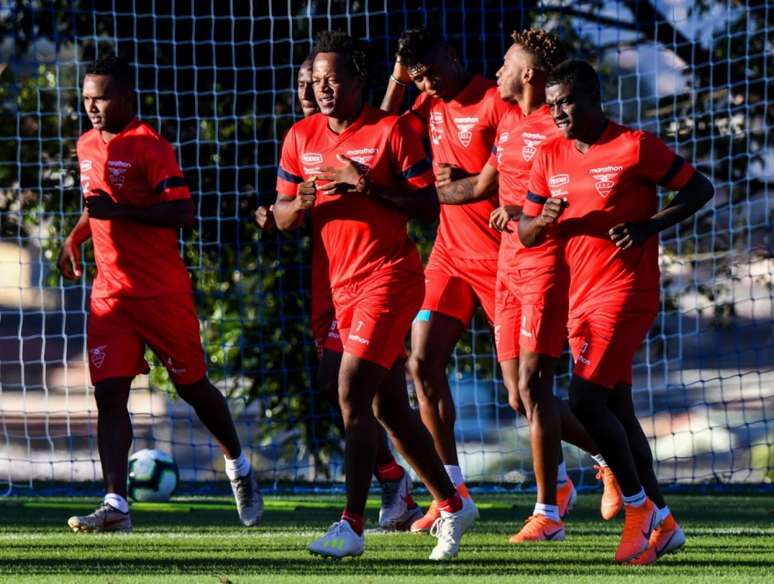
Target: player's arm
399,82
693,196
532,228
502,216
264,217
174,214
455,190
69,261
289,211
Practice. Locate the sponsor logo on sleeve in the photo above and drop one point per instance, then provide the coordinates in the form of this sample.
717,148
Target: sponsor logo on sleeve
556,184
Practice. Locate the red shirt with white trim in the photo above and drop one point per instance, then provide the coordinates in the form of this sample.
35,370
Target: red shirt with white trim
613,182
518,138
360,235
462,132
137,167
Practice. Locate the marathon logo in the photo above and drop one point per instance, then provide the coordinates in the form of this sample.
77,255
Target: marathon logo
605,177
362,155
311,158
359,339
464,127
531,143
116,171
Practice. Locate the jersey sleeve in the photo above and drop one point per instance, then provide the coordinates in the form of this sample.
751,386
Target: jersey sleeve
659,164
537,191
289,174
162,170
408,156
420,109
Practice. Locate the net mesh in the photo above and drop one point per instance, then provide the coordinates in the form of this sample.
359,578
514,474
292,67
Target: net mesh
217,80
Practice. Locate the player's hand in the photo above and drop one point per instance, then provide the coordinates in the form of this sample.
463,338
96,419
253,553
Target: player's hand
264,217
400,71
351,177
69,261
626,235
101,206
552,210
305,195
500,217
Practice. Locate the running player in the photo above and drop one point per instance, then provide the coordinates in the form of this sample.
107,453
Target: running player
361,172
596,185
136,200
531,295
398,509
459,112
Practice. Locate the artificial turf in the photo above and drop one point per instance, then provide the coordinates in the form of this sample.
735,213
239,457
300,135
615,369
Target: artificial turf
730,539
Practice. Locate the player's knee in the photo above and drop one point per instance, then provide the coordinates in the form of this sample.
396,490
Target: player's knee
193,392
425,375
112,393
584,402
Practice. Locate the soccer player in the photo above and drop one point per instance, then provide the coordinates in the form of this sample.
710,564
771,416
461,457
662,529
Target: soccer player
361,173
459,112
531,295
398,509
136,200
596,187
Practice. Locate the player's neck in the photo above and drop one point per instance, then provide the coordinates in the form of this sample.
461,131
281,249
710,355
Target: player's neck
338,125
461,81
531,100
108,135
594,133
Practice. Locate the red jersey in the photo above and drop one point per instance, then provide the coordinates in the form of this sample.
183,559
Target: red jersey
518,138
613,182
137,167
462,132
359,234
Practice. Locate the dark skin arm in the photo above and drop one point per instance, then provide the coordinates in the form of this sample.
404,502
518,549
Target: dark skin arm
69,261
264,217
396,93
502,216
289,211
173,214
692,197
454,188
532,229
421,204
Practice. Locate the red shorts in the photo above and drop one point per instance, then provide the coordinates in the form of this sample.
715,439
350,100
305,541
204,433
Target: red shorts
375,315
604,341
120,328
331,339
530,313
453,285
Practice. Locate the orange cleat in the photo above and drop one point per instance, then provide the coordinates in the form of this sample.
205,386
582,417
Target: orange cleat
667,538
612,499
638,526
539,528
462,491
566,497
424,524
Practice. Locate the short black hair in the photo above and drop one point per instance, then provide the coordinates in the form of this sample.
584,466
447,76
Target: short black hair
416,46
334,41
578,74
119,69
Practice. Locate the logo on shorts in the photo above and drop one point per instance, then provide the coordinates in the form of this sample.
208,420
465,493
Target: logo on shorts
172,369
581,359
464,127
606,178
97,355
436,127
531,143
525,332
358,339
116,171
333,332
497,333
311,158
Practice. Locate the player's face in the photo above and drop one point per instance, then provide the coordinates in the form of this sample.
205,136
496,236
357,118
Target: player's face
510,77
571,109
432,77
108,106
336,88
305,91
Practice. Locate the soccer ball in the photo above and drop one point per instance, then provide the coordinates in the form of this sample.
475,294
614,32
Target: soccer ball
153,475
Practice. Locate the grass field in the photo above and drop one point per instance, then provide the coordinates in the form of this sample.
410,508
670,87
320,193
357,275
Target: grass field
730,539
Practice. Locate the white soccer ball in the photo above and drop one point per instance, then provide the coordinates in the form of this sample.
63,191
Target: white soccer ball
153,475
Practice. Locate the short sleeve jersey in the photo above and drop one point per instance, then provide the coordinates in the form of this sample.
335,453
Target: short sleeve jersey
613,182
139,168
518,139
461,133
360,235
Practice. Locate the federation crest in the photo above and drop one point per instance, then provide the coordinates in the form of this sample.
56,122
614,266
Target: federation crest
529,149
97,356
606,178
464,129
116,171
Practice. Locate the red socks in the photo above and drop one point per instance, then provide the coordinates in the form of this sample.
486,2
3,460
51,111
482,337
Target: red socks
355,521
391,471
451,505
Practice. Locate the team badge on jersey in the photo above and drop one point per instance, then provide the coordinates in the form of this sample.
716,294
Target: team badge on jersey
116,171
606,178
464,127
97,355
531,143
436,127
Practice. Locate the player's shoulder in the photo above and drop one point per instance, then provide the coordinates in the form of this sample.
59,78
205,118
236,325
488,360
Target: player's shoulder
554,146
307,127
144,138
88,139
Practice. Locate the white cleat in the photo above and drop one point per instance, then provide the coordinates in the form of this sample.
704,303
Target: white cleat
339,542
449,529
105,518
395,514
249,500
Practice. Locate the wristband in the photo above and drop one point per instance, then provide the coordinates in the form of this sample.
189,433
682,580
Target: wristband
398,81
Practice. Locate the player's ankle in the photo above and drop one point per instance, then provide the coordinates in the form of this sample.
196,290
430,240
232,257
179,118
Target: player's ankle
356,521
451,505
117,502
391,471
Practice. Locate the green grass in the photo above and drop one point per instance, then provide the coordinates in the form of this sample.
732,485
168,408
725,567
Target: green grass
730,539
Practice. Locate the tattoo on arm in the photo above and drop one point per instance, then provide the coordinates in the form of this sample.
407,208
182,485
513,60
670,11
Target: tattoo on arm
459,191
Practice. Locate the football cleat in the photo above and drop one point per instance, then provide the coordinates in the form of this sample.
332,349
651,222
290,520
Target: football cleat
666,538
539,528
566,496
340,541
398,510
105,518
425,523
612,499
638,525
450,528
248,498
